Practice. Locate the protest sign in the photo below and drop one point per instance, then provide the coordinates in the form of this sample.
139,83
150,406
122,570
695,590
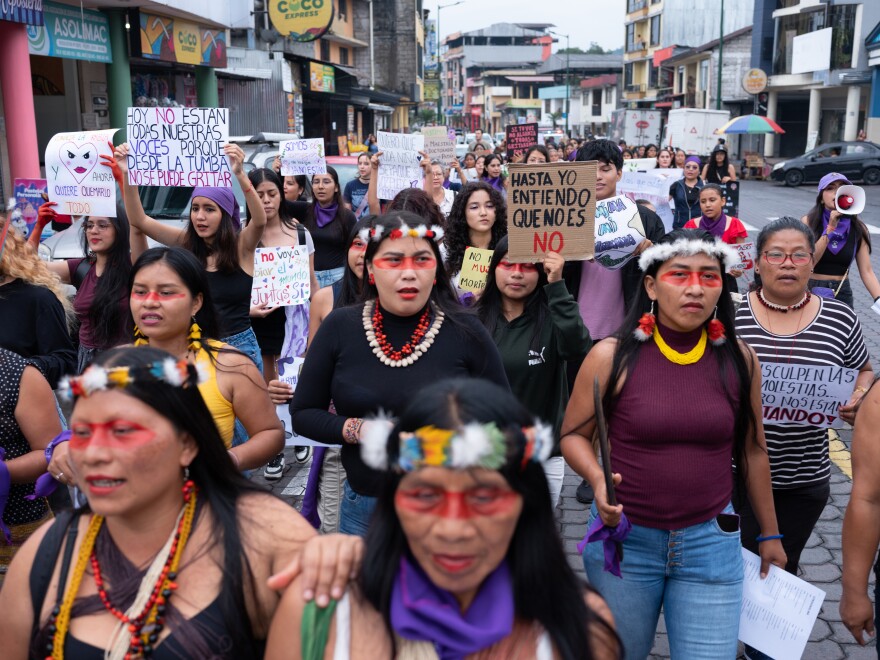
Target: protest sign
76,178
619,230
551,208
639,164
281,277
474,269
303,157
29,196
520,137
731,198
289,369
437,144
805,394
399,162
178,147
652,185
746,256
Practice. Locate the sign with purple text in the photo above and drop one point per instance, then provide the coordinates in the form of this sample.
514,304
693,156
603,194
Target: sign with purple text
29,196
76,178
805,394
281,277
303,157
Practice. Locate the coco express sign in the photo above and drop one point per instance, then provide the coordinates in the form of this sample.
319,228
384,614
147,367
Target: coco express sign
302,20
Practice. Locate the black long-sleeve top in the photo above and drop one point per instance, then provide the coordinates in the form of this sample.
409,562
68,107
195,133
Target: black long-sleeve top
340,366
34,326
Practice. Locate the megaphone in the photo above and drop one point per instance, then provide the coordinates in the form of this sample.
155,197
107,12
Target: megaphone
849,200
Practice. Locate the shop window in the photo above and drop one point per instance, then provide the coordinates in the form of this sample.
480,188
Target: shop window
343,10
343,56
325,50
655,30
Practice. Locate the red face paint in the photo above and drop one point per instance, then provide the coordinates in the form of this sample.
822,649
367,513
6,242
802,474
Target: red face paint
421,262
479,501
522,268
358,245
705,278
116,434
156,296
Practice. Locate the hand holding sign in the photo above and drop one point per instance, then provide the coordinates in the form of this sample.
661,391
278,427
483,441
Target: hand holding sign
303,157
77,180
619,231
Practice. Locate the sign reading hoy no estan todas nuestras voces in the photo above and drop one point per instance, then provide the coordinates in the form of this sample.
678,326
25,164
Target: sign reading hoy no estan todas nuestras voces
551,208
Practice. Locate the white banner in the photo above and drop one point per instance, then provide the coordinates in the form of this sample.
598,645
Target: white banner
399,168
805,395
653,186
76,178
288,372
303,157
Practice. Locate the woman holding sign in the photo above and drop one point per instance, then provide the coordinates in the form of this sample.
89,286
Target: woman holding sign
723,227
478,219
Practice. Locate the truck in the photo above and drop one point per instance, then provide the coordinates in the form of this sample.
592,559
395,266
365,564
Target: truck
694,130
637,127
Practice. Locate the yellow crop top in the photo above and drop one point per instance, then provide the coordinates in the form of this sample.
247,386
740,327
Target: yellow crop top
221,409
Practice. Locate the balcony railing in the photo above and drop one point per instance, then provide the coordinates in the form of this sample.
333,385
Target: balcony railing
635,88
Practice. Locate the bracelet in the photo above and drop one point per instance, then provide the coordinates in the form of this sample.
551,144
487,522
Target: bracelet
351,430
861,388
248,189
772,537
64,436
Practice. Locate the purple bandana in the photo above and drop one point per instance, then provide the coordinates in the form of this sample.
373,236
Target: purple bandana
836,238
325,214
309,509
46,483
421,611
224,198
714,227
610,537
497,183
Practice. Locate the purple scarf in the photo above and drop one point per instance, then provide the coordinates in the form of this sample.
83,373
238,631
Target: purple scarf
421,611
836,238
224,198
5,485
714,227
325,214
610,537
497,183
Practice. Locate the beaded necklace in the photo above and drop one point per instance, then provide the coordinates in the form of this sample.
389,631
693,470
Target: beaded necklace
691,357
783,308
422,338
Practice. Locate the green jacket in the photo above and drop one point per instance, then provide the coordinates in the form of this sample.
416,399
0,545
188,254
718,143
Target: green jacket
538,377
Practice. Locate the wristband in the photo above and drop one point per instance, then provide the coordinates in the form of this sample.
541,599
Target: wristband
64,436
351,430
772,537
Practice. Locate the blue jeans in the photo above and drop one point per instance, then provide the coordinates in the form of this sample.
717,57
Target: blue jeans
695,574
355,512
246,342
328,277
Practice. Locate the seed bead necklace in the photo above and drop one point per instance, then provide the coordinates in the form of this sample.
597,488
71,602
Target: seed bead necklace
691,357
422,338
783,308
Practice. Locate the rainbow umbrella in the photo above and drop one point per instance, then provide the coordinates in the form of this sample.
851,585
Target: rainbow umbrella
750,124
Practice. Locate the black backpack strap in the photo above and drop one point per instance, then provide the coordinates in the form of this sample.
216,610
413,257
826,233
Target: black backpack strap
80,273
66,526
300,234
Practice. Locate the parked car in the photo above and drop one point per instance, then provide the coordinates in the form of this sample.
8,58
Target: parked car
262,148
858,161
346,168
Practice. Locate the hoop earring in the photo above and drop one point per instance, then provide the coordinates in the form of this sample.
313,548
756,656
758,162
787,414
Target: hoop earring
645,330
717,333
195,337
140,339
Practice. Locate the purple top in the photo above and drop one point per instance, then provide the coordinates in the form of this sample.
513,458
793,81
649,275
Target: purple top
85,296
600,299
675,461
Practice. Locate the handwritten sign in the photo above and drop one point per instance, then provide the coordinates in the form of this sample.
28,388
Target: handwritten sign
474,270
805,395
653,186
519,138
619,230
281,277
289,369
438,145
746,256
399,162
178,147
303,157
552,208
77,179
639,164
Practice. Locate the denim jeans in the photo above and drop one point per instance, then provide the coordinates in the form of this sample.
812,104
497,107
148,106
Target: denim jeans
355,512
246,342
328,277
695,574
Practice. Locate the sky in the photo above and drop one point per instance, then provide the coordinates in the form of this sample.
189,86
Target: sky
583,20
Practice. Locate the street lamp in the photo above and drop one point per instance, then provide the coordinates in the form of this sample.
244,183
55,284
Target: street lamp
567,77
440,62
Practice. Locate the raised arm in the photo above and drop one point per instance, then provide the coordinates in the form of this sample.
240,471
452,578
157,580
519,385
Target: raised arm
250,236
373,187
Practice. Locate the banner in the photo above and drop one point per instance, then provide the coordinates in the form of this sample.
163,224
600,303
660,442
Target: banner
619,230
746,256
29,197
178,147
322,78
71,33
519,138
177,40
551,208
653,186
75,176
281,277
303,157
29,12
438,146
804,394
474,270
399,168
301,20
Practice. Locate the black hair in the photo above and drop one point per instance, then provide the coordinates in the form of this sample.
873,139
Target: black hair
364,154
488,159
817,224
536,305
352,286
541,149
262,175
221,486
545,588
649,147
605,151
305,187
416,200
781,224
109,322
458,236
713,186
720,171
311,222
224,245
471,154
671,155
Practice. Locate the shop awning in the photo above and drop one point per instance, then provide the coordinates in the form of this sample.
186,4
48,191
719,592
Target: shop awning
382,109
245,74
530,78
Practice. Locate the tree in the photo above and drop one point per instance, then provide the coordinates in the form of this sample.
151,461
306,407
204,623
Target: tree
427,116
555,117
574,50
596,49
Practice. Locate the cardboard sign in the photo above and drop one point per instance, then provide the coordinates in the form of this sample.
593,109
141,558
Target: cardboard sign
619,230
303,157
75,176
281,277
29,197
519,138
178,147
474,270
805,394
399,168
746,256
652,185
437,144
551,208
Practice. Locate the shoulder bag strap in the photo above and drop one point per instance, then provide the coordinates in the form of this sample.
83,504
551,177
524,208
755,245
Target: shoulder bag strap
45,559
80,273
315,629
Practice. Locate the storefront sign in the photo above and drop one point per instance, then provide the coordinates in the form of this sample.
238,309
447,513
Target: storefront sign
29,12
176,40
301,20
804,394
399,168
619,230
77,179
322,78
754,81
71,34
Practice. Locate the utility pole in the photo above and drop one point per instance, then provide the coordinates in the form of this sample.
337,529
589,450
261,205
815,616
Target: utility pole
720,58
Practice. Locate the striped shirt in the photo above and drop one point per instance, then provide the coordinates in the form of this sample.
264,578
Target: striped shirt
799,454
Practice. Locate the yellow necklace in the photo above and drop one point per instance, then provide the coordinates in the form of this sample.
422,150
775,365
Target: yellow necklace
674,356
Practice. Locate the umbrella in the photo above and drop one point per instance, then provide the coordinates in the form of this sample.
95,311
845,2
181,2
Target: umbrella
750,124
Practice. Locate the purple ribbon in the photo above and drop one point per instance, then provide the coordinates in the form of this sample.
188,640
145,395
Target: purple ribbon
610,537
5,485
836,238
46,483
309,508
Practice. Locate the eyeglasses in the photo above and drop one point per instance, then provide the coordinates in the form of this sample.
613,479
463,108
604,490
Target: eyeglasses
421,262
778,258
521,268
100,226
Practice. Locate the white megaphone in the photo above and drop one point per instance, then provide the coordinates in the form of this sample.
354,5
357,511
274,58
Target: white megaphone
849,200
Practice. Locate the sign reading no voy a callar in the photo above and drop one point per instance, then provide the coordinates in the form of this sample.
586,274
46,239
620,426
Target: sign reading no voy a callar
77,179
399,168
805,395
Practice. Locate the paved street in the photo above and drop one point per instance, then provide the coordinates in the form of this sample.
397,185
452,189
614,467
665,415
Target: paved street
820,563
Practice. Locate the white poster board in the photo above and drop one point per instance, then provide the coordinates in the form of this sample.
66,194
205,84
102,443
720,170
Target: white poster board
288,372
76,177
746,256
281,277
653,186
811,51
619,230
805,394
399,164
438,146
303,157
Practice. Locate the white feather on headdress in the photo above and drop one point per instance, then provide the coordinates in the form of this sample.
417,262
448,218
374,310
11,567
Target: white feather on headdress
94,379
64,388
438,233
171,373
470,446
374,441
364,234
687,247
202,373
543,441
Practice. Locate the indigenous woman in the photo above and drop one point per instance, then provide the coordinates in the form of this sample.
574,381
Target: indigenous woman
25,431
171,557
719,169
380,354
728,229
215,237
840,240
685,193
536,324
478,219
672,447
665,158
463,558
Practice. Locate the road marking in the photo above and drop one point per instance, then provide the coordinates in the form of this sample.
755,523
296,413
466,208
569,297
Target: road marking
841,456
872,229
749,227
